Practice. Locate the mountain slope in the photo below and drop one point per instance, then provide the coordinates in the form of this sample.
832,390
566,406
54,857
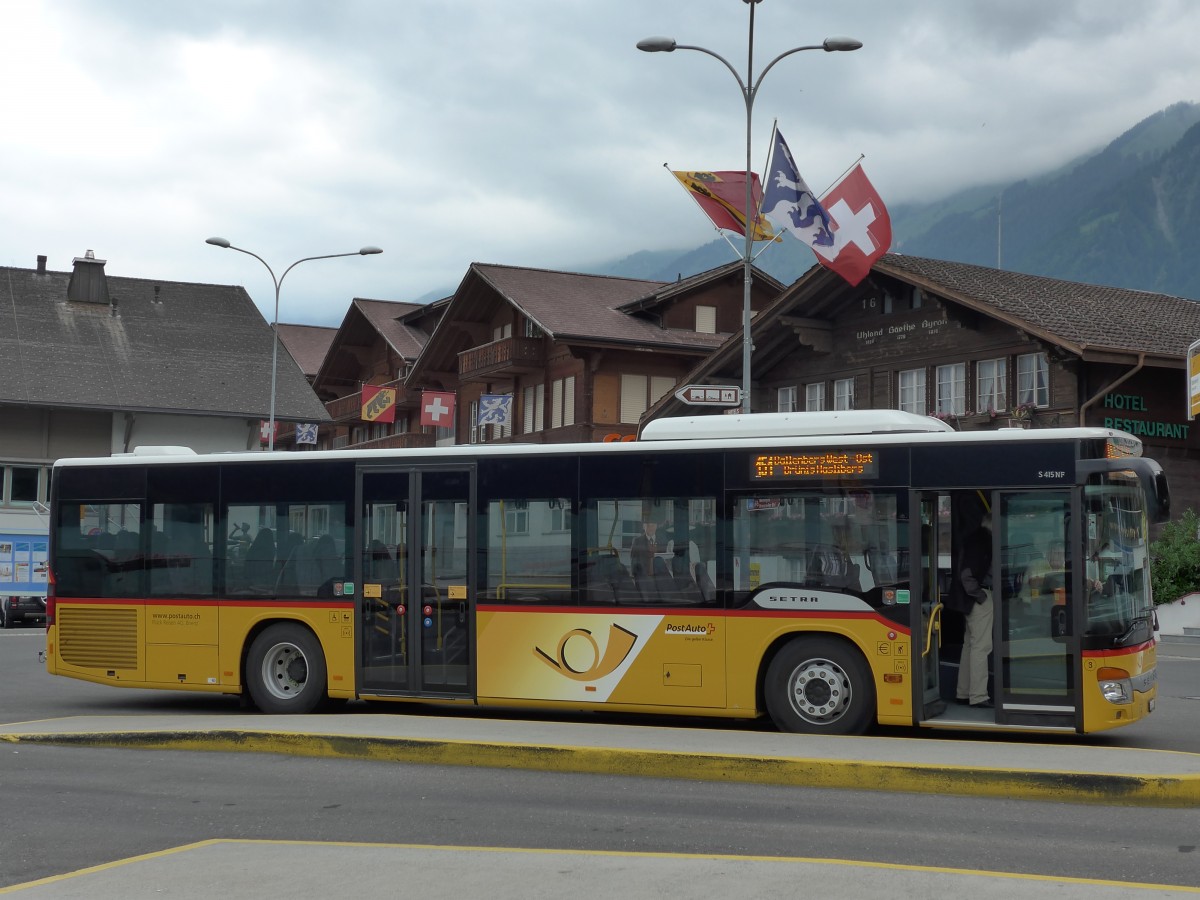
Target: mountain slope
1100,219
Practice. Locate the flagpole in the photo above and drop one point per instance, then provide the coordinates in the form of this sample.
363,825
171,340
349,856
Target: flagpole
749,88
842,177
748,252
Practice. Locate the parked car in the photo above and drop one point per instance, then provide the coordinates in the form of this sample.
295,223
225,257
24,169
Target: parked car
14,610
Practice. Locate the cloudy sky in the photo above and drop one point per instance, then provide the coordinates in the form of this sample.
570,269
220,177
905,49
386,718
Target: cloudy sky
525,132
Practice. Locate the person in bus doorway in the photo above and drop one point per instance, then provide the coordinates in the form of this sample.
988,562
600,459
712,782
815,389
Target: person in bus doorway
975,579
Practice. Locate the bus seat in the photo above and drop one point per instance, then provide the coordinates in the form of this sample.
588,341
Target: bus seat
260,562
609,581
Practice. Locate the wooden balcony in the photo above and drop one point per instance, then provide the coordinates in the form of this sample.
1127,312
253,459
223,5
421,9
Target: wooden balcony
349,408
394,442
508,356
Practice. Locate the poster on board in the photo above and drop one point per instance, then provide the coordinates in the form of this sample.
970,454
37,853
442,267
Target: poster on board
24,563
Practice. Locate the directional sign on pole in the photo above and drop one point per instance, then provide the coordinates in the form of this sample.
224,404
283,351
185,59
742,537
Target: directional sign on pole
709,395
1193,358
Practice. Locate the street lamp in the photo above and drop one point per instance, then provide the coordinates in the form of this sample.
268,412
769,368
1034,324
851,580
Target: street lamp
749,88
225,245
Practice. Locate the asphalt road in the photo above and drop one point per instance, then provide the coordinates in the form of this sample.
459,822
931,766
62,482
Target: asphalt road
67,808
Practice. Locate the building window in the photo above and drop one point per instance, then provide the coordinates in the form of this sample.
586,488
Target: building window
952,389
534,398
706,319
22,485
562,402
516,517
531,330
639,392
786,399
1033,379
912,391
843,393
991,385
814,396
500,332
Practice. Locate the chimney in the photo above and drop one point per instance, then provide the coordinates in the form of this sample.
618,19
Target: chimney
88,283
41,269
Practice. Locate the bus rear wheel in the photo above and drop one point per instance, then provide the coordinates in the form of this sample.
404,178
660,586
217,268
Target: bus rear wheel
285,670
820,686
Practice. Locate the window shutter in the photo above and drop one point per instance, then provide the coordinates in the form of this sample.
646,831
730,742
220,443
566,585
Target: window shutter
633,398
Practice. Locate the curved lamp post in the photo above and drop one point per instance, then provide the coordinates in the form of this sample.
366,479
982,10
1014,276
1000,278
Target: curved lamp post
224,244
749,87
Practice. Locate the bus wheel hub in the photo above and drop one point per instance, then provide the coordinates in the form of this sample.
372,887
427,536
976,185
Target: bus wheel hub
821,690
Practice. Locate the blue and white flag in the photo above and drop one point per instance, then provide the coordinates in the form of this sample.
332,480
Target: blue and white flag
306,434
495,409
788,203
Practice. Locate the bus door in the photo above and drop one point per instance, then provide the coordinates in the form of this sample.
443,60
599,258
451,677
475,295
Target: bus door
416,566
932,578
1038,550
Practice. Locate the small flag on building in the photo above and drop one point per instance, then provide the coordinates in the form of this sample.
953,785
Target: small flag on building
264,431
378,404
495,409
306,433
437,408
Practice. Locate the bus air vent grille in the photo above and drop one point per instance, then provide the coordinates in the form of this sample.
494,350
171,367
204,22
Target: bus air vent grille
98,637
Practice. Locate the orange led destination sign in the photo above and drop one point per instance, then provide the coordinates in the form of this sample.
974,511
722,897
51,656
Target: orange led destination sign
826,464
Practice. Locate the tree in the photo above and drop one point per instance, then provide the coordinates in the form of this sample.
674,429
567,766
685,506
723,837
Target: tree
1175,559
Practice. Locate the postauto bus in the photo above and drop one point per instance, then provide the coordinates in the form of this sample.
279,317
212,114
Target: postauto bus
799,568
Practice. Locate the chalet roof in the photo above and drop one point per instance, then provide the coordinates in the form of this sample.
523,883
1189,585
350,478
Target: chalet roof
667,293
308,344
1084,318
1090,321
385,316
567,306
166,346
572,305
395,323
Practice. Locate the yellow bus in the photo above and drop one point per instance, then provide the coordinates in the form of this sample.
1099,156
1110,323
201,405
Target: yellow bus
795,565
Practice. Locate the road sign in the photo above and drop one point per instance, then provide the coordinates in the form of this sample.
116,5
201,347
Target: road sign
1193,375
709,395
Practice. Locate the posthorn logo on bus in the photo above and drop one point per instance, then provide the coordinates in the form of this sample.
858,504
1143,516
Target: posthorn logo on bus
578,655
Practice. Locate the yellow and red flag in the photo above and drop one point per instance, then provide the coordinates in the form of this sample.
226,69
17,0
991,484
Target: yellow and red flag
722,197
378,404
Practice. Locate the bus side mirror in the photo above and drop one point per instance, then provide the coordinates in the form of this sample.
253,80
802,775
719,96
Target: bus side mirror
1060,625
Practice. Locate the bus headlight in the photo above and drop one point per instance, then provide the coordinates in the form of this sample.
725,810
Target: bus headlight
1114,685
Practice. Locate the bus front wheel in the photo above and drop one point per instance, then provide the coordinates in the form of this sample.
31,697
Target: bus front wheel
285,670
820,686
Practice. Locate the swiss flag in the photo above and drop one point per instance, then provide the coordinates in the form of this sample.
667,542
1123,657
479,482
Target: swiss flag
862,231
437,408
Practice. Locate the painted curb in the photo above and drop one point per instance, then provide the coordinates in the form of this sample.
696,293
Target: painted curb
1169,791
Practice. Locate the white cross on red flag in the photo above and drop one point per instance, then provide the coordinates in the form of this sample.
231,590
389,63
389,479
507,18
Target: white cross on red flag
437,408
862,229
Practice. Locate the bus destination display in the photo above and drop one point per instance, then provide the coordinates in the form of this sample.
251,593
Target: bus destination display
826,464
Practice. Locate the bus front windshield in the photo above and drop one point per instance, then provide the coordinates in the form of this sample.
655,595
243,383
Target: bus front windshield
1119,601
